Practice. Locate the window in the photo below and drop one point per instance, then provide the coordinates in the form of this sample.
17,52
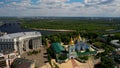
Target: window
72,49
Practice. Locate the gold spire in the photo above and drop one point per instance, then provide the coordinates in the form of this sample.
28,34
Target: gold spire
71,41
84,39
79,38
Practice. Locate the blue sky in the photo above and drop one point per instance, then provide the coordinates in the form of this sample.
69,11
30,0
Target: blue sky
72,8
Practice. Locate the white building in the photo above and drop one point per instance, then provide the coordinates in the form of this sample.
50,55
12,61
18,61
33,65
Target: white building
20,42
115,43
6,60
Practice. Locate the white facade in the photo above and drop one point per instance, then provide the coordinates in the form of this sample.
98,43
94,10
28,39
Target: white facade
6,60
115,43
20,42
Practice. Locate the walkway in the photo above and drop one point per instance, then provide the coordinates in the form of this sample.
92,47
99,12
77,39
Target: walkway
74,64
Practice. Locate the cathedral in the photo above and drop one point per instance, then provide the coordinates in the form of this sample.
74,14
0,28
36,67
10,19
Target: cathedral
77,45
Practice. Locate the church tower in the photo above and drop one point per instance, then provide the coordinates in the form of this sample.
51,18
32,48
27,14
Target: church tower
72,52
84,40
79,38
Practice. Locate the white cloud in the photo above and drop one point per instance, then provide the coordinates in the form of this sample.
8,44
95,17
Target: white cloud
53,1
95,2
61,8
1,3
23,3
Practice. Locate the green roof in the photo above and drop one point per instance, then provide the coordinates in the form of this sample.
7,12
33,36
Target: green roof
57,47
86,53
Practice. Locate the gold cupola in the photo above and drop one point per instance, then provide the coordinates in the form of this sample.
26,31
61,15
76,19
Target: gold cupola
71,41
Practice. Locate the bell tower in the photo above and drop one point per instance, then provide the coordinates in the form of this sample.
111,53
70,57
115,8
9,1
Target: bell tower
79,38
72,52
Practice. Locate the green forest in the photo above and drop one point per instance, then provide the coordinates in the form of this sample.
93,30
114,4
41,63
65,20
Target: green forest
72,24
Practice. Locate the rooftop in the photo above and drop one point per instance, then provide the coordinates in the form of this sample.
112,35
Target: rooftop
1,55
57,47
81,46
86,53
20,34
118,52
21,63
115,43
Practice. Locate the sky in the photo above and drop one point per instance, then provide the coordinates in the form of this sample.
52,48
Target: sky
69,8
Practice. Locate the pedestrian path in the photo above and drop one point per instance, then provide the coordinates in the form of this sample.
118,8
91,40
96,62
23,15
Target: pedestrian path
74,64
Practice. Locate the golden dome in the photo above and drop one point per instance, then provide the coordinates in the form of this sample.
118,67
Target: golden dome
71,41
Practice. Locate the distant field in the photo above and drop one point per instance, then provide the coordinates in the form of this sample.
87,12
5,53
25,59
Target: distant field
88,25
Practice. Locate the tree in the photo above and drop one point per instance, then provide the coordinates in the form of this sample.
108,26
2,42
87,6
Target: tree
87,50
98,44
55,39
65,39
63,57
106,62
83,57
98,55
50,52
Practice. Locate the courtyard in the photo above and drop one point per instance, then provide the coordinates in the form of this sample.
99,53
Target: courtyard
40,59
